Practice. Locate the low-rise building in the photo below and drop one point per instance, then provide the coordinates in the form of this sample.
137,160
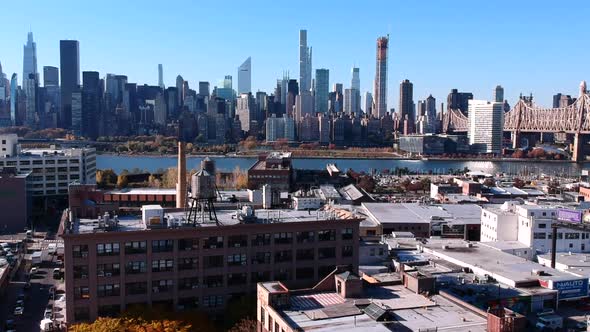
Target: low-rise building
15,200
117,262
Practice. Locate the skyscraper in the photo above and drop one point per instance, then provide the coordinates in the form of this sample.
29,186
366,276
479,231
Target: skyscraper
69,52
368,103
179,85
30,80
304,62
459,101
430,115
50,76
204,88
406,107
322,86
13,98
161,76
486,121
91,96
499,94
355,83
245,77
352,103
380,91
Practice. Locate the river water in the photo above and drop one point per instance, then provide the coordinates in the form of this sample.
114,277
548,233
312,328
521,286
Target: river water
151,164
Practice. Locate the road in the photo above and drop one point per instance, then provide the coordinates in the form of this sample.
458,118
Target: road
36,297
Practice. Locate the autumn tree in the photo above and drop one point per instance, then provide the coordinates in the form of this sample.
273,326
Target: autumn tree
170,177
519,183
240,178
122,181
106,178
489,182
245,325
132,325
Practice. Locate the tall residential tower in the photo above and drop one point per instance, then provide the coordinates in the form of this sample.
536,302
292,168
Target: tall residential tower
380,91
304,62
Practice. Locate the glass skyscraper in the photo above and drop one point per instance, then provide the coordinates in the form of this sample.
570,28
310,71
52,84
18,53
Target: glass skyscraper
69,51
322,86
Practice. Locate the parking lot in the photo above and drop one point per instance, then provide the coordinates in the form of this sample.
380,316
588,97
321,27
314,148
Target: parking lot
37,290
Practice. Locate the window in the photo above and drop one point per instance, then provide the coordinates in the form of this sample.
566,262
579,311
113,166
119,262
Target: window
327,235
235,279
108,270
212,301
213,281
162,286
108,290
188,283
542,225
135,247
80,251
236,241
325,253
81,293
260,276
81,313
107,249
347,251
347,234
188,263
304,273
323,271
305,254
210,262
213,242
162,265
572,236
283,256
261,239
135,267
109,310
188,303
305,237
539,236
188,244
135,288
283,274
162,245
283,238
261,258
80,271
236,260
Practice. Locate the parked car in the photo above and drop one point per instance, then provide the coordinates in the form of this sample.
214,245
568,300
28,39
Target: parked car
33,271
18,311
57,273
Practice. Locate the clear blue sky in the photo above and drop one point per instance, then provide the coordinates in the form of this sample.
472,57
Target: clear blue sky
526,45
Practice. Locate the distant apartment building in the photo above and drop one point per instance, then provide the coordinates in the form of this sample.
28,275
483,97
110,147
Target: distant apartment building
530,225
486,121
52,169
159,260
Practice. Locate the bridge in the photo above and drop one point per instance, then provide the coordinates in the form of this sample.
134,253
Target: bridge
526,119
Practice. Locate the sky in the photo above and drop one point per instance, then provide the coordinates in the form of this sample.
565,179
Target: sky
527,46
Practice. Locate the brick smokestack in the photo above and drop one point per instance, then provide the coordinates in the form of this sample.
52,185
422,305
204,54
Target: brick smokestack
181,182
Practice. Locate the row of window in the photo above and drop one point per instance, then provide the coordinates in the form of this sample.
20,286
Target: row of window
215,261
140,247
214,281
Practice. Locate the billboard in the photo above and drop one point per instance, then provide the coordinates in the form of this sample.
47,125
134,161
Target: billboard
569,288
573,216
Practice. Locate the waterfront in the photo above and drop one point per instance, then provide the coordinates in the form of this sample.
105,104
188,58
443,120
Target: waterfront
153,163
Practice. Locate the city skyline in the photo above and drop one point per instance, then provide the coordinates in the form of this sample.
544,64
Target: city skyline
467,55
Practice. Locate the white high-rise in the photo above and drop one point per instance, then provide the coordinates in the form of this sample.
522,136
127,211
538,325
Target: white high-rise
245,76
486,122
304,62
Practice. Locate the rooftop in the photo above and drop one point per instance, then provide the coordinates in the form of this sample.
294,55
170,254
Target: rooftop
573,263
385,213
226,217
53,151
328,311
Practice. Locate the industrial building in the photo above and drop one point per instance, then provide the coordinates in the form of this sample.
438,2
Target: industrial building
15,200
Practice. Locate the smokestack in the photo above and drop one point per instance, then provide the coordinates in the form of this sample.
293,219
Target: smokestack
181,182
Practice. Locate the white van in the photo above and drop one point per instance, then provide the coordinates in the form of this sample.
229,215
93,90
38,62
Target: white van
52,248
552,322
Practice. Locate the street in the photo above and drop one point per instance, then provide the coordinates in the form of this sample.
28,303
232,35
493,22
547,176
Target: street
37,297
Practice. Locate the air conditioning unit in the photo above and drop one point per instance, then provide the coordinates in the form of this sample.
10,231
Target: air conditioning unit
84,276
84,254
213,246
108,274
243,263
237,245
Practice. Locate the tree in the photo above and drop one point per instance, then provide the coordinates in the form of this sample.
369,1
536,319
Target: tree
105,178
131,325
367,183
519,183
170,177
489,182
245,325
122,181
240,178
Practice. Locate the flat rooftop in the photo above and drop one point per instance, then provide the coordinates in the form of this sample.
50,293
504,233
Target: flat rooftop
48,152
481,259
574,263
328,311
387,213
225,217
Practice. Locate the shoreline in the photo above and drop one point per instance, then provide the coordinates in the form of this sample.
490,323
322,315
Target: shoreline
253,156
